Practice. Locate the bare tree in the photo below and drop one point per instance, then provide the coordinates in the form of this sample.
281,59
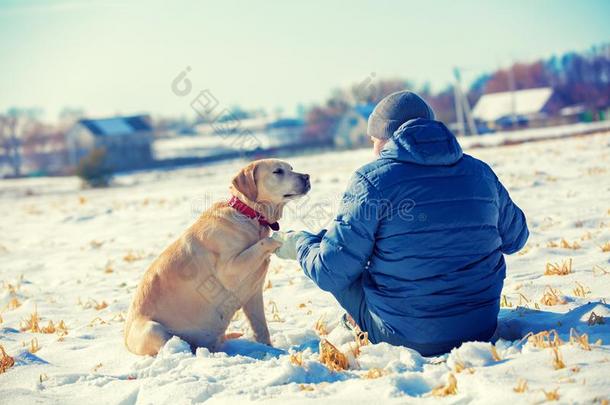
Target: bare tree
13,125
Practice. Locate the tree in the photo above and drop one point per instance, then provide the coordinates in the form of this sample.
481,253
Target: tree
13,126
92,169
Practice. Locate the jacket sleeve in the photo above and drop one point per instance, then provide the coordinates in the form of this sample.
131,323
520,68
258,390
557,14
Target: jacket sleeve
336,258
511,223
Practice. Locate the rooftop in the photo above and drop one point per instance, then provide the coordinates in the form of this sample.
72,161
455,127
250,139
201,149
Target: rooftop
491,107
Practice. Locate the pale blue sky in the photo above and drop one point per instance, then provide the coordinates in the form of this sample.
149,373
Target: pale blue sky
108,57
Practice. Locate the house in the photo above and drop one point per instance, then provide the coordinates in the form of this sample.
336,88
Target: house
352,127
126,140
285,130
530,107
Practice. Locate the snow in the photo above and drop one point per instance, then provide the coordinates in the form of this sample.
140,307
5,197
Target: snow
67,252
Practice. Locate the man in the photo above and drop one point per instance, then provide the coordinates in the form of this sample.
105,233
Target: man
415,254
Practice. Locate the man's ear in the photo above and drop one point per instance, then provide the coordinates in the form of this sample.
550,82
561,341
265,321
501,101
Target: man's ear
245,182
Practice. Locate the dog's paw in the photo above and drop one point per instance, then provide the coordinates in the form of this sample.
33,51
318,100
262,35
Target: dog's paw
271,245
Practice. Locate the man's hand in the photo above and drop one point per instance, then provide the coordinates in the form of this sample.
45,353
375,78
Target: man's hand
288,250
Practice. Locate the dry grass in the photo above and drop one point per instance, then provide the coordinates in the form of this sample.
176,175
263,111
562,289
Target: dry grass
60,328
6,361
581,340
275,312
97,321
556,269
91,303
581,290
521,386
33,346
448,389
563,244
268,286
605,247
297,359
31,324
595,319
505,303
552,297
108,268
551,395
460,366
132,256
332,357
304,387
374,373
557,359
320,326
586,236
494,353
544,339
13,304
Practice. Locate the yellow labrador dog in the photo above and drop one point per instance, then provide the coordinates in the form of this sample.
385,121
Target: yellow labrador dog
193,289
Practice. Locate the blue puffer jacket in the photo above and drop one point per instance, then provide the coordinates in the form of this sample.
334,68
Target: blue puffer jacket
424,228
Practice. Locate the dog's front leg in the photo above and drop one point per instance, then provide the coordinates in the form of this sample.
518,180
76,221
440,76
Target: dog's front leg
254,309
247,266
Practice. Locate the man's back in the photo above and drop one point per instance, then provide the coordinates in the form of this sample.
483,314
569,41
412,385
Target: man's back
420,234
436,273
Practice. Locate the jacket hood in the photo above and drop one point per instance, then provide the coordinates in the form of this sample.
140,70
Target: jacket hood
425,142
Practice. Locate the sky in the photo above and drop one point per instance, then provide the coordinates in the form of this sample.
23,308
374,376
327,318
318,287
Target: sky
111,57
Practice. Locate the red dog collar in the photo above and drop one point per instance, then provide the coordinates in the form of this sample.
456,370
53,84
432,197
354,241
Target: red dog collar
237,204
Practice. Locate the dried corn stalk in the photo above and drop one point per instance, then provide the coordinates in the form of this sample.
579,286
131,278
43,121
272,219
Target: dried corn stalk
557,359
505,303
297,359
567,245
551,395
494,353
581,340
31,324
521,386
320,326
581,290
33,347
555,269
595,319
448,389
332,357
132,256
552,297
6,361
374,373
544,339
13,303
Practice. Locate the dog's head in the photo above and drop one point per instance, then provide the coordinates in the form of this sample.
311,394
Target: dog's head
270,180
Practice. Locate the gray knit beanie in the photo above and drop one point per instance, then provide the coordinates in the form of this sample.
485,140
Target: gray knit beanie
394,110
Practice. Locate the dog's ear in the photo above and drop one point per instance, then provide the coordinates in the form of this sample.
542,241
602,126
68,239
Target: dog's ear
245,182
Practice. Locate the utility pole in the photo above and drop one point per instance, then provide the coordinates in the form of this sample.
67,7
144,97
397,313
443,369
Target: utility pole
462,107
513,100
